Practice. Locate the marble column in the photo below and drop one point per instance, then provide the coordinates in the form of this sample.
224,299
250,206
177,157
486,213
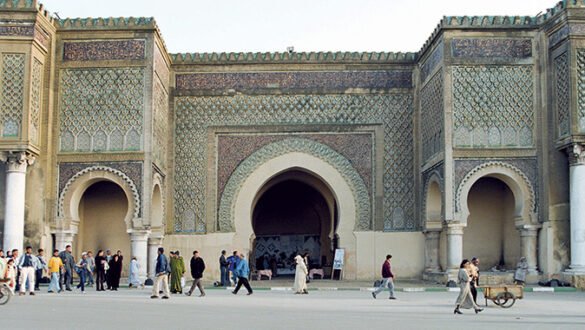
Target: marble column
454,246
528,236
139,247
16,164
62,239
432,251
577,204
153,244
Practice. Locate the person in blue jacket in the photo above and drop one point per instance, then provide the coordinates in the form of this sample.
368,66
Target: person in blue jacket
242,272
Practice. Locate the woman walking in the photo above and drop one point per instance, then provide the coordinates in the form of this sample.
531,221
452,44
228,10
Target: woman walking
301,272
100,271
465,299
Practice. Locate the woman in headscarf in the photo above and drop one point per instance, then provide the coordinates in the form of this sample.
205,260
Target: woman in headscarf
465,299
300,276
177,271
115,272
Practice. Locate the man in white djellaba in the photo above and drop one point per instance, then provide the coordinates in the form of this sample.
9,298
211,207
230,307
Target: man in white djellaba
301,272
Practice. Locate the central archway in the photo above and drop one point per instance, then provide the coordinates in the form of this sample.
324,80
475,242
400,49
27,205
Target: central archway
293,213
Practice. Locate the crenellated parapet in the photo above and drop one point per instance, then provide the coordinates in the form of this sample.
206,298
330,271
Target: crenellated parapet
292,57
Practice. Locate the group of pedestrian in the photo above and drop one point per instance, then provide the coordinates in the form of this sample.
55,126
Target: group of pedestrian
175,268
25,271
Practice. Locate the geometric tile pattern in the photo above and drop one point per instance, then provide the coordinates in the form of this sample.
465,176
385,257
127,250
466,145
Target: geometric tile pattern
431,107
193,115
35,100
12,94
101,109
161,124
493,106
561,65
581,89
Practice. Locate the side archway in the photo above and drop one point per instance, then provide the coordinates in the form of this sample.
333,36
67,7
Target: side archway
70,197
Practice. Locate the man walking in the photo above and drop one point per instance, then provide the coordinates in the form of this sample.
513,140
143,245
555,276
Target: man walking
162,271
41,265
69,265
27,264
242,271
388,279
474,278
197,268
90,268
223,267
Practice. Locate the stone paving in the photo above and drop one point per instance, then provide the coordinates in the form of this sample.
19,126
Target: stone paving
279,309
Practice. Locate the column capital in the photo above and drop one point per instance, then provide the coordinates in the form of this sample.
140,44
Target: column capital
139,234
17,161
158,240
576,153
455,229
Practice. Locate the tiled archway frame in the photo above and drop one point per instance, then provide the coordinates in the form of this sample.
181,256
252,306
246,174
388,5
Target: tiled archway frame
360,193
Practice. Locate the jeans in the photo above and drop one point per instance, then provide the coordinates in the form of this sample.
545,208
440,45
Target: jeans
88,277
38,276
224,278
389,281
54,285
234,277
66,279
81,284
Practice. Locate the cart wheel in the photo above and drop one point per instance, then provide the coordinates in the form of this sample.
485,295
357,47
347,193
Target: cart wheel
505,299
4,294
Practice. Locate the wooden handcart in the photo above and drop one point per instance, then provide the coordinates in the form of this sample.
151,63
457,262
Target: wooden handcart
503,295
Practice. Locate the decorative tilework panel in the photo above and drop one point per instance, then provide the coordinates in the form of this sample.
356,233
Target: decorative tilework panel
160,124
481,47
581,89
333,80
493,106
561,65
12,93
35,100
431,63
14,31
131,169
160,67
103,50
194,114
431,102
233,149
96,101
42,37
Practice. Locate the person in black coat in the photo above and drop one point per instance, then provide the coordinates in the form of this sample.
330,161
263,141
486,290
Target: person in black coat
100,272
197,268
114,273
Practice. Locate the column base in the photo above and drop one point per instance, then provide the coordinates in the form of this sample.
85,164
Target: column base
435,276
575,278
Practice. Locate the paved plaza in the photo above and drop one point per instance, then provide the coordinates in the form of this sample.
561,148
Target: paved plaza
272,309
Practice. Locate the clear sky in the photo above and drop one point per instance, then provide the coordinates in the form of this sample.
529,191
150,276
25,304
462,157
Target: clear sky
308,25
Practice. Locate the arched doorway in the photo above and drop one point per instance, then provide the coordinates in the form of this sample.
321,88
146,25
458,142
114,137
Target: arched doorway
433,225
293,213
491,234
102,210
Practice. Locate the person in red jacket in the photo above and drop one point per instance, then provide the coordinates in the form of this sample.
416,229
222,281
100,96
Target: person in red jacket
388,279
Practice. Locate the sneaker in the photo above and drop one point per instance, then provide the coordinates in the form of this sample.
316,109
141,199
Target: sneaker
249,293
165,297
234,292
32,293
374,295
392,298
187,294
153,297
21,293
50,291
202,295
83,292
